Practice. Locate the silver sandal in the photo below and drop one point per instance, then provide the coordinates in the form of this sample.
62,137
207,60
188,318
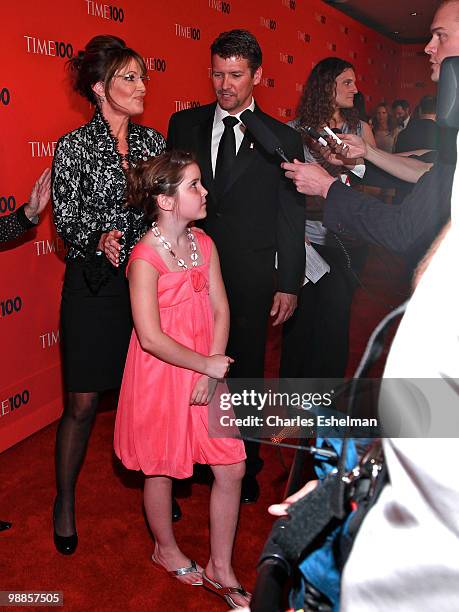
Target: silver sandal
182,571
226,592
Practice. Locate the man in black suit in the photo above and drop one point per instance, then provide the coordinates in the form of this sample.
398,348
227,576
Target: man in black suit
401,110
405,228
417,221
421,132
253,211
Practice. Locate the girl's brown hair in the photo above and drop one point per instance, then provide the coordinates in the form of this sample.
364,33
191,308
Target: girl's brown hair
156,176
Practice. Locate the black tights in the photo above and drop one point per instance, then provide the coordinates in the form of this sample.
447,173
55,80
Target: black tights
71,441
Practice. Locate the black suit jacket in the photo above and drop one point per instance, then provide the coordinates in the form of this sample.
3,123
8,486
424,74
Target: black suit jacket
418,134
260,211
413,224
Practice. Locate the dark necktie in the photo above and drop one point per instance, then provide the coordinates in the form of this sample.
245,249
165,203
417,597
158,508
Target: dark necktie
226,153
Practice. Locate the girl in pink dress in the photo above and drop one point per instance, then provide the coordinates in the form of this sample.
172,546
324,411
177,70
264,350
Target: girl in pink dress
176,356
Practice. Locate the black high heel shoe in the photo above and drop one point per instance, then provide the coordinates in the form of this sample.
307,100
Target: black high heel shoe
4,525
66,545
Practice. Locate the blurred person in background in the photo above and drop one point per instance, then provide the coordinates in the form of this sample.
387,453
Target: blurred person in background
402,114
384,128
422,131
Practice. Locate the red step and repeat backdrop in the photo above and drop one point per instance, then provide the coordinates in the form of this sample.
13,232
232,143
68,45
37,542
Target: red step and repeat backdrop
415,80
37,107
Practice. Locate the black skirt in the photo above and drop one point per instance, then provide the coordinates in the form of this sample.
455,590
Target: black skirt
95,330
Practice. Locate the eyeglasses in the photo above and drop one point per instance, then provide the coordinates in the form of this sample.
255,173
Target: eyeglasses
131,77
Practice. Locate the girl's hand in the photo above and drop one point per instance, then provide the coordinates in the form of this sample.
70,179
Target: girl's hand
218,366
203,391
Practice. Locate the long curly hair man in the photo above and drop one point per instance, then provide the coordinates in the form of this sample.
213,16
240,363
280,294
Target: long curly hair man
317,105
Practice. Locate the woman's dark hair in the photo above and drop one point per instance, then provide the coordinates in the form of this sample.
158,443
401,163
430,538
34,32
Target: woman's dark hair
238,43
102,57
317,104
160,175
391,123
359,104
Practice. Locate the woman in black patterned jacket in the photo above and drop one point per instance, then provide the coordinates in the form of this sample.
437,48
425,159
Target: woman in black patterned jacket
90,214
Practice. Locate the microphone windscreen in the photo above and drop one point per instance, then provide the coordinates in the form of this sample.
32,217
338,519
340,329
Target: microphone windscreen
262,134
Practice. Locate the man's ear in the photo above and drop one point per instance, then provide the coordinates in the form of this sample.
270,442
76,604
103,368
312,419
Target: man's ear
257,75
165,202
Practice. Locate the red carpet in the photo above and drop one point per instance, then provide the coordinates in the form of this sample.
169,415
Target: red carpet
385,285
112,569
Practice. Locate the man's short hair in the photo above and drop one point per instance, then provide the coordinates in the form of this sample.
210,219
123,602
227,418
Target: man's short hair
442,4
238,43
428,105
403,103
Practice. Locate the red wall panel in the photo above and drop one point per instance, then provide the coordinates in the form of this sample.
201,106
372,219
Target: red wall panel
415,71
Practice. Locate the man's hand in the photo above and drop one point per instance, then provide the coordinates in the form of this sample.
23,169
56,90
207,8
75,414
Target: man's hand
39,196
356,147
281,509
310,179
203,391
110,245
284,305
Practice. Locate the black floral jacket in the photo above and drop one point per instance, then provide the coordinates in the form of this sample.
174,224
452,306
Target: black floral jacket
88,187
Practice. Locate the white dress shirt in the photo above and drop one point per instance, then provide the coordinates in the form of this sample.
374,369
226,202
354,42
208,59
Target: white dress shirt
219,127
405,123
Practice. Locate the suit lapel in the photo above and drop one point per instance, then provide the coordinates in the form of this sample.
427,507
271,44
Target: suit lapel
244,156
203,140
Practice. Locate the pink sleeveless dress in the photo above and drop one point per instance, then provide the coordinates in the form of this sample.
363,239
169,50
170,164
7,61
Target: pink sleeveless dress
157,430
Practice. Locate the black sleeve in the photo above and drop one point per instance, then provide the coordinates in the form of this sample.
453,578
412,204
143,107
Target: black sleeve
171,142
290,227
421,213
13,225
66,185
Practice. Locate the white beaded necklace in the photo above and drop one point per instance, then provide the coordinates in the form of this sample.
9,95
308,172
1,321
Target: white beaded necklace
167,245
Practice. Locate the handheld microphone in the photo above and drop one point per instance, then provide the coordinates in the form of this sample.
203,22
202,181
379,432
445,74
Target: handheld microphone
263,135
333,134
314,134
